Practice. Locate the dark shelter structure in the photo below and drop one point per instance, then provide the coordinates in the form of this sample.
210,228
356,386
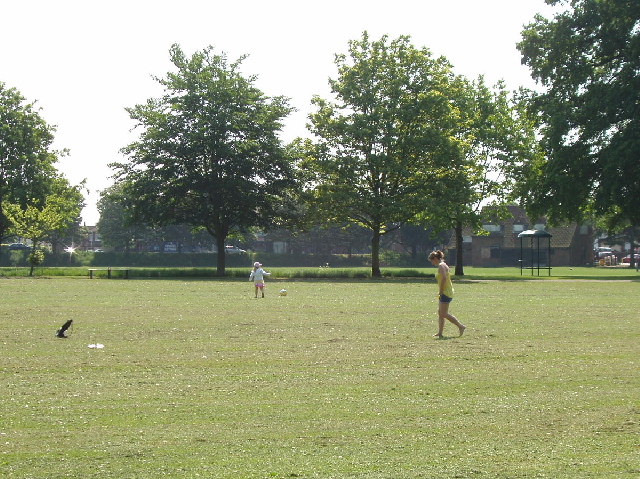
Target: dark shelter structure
536,253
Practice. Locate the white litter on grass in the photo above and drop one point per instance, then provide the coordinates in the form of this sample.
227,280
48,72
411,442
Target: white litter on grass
96,346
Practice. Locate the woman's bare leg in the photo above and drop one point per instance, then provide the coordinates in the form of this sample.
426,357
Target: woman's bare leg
443,313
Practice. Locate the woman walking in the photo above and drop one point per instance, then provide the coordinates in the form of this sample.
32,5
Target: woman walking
445,293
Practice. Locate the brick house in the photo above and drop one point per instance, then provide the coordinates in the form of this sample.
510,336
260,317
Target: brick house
571,245
92,241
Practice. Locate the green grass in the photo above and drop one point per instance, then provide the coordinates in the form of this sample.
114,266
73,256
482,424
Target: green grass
339,379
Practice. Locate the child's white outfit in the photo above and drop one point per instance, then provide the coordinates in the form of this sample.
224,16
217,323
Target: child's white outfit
257,275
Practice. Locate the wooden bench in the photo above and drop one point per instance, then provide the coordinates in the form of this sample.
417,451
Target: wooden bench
109,270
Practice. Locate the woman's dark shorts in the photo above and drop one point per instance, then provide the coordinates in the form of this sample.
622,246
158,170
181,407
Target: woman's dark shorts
445,299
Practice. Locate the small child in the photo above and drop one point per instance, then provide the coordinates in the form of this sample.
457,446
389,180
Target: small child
257,276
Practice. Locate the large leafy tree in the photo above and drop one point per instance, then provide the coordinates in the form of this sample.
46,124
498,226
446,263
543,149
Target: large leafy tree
587,59
500,138
27,170
68,201
39,221
208,154
388,136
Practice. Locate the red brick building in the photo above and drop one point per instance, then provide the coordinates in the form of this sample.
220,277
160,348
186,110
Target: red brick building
571,245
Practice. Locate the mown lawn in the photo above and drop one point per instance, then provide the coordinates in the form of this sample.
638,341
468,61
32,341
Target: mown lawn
339,379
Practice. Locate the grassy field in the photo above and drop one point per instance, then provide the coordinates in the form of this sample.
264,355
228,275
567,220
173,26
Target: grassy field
339,379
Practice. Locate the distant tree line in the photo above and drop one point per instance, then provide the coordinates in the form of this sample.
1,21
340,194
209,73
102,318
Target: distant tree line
346,239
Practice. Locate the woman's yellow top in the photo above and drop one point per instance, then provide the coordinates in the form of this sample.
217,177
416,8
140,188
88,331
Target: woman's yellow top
447,288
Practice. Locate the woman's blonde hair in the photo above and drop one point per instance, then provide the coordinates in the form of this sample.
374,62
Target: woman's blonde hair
436,254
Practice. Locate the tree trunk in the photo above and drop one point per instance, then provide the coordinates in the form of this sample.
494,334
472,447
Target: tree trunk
459,254
632,257
375,255
221,257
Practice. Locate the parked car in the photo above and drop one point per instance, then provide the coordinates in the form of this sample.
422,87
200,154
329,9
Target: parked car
233,250
18,246
627,259
604,251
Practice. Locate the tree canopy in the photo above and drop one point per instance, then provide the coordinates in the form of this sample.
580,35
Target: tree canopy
388,136
408,141
40,221
208,154
500,137
115,231
587,59
36,201
27,162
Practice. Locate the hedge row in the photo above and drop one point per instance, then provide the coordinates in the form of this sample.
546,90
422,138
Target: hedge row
208,260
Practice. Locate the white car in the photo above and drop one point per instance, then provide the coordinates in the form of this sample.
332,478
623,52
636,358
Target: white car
604,251
233,250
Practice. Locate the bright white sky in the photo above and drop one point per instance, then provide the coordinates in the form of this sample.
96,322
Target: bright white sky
85,61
